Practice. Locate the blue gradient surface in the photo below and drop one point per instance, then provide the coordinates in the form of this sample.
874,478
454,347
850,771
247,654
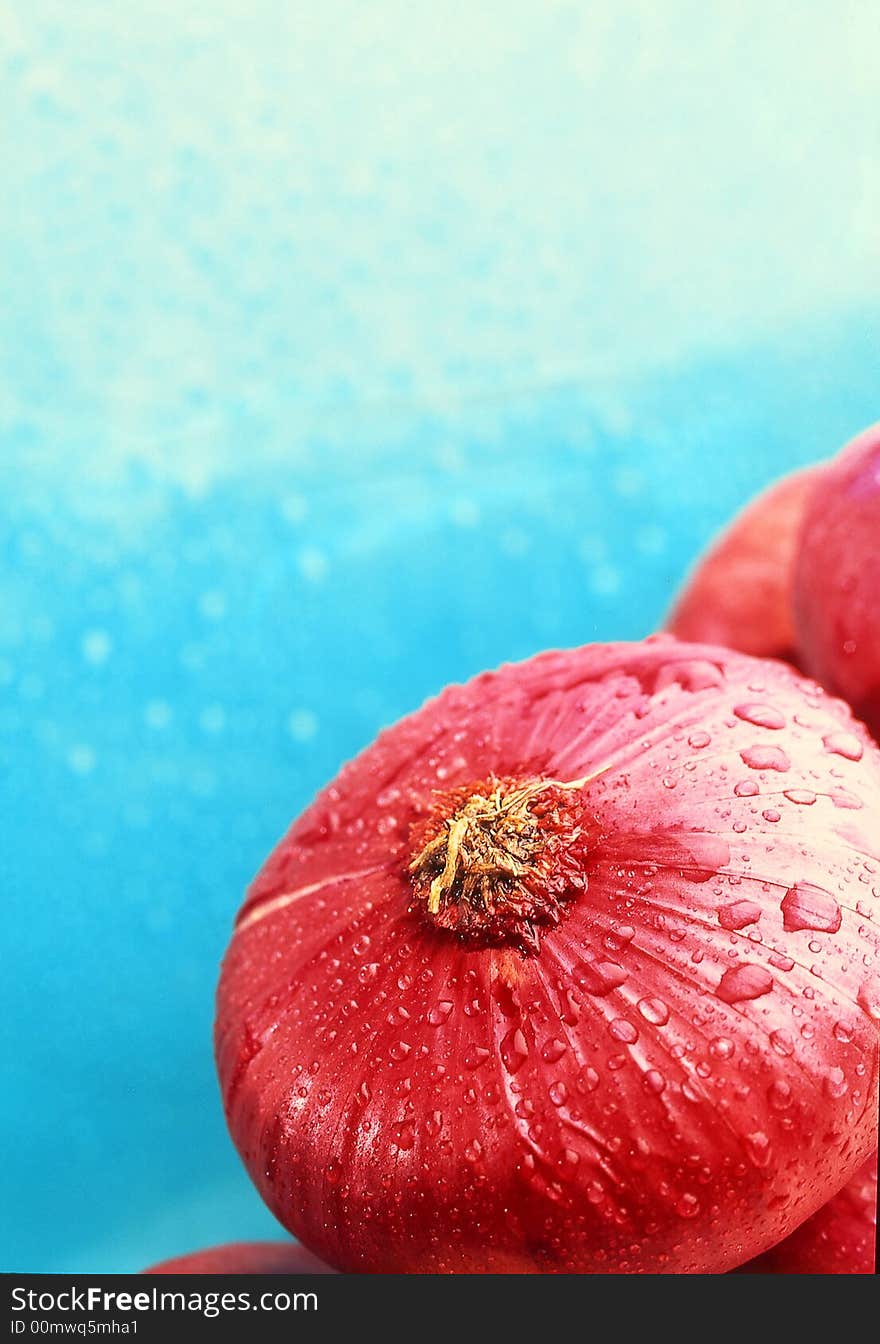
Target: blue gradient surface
342,355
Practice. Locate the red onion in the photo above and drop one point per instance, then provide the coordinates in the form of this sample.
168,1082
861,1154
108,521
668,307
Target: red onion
245,1257
572,970
839,1239
837,579
740,594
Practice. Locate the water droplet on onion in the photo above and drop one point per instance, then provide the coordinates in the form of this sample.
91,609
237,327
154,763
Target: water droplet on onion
599,977
762,716
868,998
654,1011
844,744
835,1083
475,1056
806,906
845,800
779,1094
514,1050
758,1148
741,983
739,915
440,1013
765,758
688,1206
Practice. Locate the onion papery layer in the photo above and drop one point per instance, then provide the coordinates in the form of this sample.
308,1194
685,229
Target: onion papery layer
682,1072
839,1239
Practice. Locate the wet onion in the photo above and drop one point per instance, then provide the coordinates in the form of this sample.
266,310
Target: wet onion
839,1239
572,970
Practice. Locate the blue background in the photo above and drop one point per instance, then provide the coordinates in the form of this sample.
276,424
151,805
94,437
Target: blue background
346,350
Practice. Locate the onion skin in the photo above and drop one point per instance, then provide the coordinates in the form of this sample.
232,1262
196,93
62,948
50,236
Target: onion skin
839,1239
740,594
837,579
682,1074
245,1257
